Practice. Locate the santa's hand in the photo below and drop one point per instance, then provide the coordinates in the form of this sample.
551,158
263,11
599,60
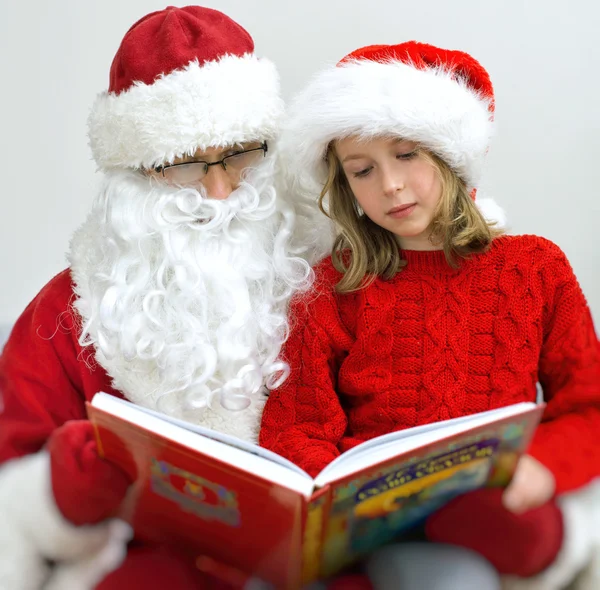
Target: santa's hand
87,489
532,486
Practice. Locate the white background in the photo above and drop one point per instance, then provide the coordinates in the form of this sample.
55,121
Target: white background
543,57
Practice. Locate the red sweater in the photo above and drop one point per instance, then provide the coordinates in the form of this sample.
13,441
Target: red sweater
435,343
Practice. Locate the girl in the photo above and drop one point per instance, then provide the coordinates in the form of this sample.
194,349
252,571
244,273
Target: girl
425,311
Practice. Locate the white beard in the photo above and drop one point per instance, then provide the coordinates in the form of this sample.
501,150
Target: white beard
184,298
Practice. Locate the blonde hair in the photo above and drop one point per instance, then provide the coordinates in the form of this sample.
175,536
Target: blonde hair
364,250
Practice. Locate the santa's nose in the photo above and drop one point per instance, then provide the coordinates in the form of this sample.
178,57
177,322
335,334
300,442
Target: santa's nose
218,183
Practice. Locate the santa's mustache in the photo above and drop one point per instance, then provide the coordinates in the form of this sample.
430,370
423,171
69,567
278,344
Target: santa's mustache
143,203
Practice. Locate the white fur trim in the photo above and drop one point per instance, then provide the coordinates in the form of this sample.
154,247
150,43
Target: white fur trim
492,211
369,98
89,570
580,552
33,529
219,103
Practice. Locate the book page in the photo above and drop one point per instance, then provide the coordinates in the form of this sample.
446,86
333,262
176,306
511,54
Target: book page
229,449
395,443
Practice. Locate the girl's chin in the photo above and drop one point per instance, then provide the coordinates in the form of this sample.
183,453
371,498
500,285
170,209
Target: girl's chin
412,235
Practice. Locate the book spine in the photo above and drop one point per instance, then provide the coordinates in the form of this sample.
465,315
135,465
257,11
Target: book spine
314,522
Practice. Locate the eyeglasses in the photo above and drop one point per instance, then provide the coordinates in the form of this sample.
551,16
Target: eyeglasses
191,173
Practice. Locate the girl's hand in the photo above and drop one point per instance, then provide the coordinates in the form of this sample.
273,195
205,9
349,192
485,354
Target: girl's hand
533,485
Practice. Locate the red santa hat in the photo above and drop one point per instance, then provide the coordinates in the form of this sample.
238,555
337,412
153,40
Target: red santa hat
439,98
183,79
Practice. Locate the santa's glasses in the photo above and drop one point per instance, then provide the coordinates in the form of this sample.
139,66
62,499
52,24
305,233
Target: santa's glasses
191,173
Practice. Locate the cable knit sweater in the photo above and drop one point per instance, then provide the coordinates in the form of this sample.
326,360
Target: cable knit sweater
436,343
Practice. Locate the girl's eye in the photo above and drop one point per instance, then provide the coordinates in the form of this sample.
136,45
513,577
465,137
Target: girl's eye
408,156
363,173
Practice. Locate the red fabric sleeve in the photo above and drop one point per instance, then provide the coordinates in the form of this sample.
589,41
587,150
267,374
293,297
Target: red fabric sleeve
303,419
40,384
569,372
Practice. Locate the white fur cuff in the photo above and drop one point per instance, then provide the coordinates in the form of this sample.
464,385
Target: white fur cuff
33,529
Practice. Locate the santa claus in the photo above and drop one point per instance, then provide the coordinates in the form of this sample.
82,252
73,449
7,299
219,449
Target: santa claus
175,298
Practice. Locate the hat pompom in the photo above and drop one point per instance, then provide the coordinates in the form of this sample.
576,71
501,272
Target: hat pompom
492,212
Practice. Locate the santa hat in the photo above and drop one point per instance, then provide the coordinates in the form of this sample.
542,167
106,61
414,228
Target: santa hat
439,98
183,79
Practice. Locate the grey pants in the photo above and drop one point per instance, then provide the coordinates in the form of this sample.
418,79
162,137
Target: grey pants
427,566
431,566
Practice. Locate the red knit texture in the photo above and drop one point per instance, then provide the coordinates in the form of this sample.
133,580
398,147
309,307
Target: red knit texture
87,489
436,343
515,544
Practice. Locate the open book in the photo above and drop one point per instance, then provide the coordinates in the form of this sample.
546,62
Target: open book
231,501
